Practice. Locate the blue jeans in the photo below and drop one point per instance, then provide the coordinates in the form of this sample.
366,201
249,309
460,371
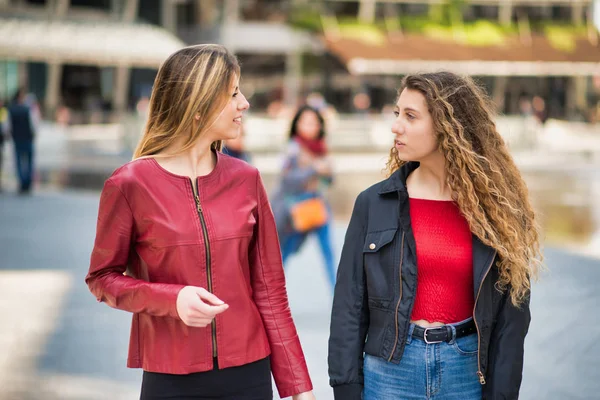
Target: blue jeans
24,162
323,234
445,371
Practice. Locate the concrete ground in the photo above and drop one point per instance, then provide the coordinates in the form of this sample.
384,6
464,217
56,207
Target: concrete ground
57,342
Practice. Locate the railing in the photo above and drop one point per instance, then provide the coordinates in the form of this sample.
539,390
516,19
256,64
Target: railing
346,133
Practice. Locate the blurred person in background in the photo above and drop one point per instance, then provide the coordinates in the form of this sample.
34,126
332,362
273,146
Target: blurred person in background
34,106
23,128
432,297
530,124
539,109
4,128
317,101
236,147
362,103
63,116
299,203
186,241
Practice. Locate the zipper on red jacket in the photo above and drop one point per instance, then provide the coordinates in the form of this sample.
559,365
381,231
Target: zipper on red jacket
213,324
479,373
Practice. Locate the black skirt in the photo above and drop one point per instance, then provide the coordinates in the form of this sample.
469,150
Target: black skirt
246,382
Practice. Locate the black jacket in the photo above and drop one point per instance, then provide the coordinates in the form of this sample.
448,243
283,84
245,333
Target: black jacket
375,291
21,124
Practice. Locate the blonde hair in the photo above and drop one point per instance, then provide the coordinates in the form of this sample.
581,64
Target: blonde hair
482,175
194,81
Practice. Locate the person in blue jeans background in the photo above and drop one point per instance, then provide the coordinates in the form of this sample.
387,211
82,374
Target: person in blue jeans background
4,128
306,174
23,134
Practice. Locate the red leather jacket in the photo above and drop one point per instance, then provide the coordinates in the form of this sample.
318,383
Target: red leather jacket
152,225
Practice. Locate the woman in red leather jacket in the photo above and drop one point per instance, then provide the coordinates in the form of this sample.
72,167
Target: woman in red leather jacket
186,241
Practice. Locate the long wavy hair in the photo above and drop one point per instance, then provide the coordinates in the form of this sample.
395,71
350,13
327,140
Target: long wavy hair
192,81
485,182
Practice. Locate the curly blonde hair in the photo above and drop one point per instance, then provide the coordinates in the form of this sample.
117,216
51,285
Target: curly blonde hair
483,177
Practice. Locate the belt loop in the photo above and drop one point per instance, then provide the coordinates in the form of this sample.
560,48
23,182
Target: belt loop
411,329
453,331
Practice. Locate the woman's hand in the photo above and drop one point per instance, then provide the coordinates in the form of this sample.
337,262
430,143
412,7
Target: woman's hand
197,307
304,396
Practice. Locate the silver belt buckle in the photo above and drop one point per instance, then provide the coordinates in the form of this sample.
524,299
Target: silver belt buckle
425,336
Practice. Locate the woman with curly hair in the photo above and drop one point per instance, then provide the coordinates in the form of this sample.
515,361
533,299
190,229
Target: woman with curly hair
432,293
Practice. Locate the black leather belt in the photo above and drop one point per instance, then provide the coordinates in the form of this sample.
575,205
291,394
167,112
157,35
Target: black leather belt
441,334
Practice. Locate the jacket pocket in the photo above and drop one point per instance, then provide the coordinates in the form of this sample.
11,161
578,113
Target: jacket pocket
379,252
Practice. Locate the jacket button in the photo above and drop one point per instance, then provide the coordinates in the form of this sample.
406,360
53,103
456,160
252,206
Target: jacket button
372,246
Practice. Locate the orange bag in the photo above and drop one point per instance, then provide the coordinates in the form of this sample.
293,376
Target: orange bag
309,214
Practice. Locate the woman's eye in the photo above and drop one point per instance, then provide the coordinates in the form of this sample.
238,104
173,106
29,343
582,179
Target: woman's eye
396,113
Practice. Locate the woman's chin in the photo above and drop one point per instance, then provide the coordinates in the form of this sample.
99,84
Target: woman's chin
404,157
230,135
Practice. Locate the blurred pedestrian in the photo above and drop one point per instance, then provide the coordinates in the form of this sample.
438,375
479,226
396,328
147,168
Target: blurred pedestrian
300,204
530,125
32,102
63,116
539,109
330,115
4,128
186,241
22,127
362,103
434,280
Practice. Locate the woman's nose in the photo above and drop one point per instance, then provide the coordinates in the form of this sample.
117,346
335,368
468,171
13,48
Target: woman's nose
244,105
397,127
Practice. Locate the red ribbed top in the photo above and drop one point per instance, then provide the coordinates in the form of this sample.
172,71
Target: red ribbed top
444,262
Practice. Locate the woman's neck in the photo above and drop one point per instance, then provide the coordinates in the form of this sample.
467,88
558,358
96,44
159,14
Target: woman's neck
430,180
199,160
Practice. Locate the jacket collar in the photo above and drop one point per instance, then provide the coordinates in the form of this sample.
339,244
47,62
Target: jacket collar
397,181
483,255
483,258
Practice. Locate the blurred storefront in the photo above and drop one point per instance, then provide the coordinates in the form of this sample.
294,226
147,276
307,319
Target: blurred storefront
98,58
518,49
509,71
93,57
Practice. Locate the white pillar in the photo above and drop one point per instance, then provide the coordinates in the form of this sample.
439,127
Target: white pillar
131,9
52,88
231,11
293,76
62,7
231,16
576,94
122,77
208,12
168,15
366,11
500,83
22,75
505,12
577,12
